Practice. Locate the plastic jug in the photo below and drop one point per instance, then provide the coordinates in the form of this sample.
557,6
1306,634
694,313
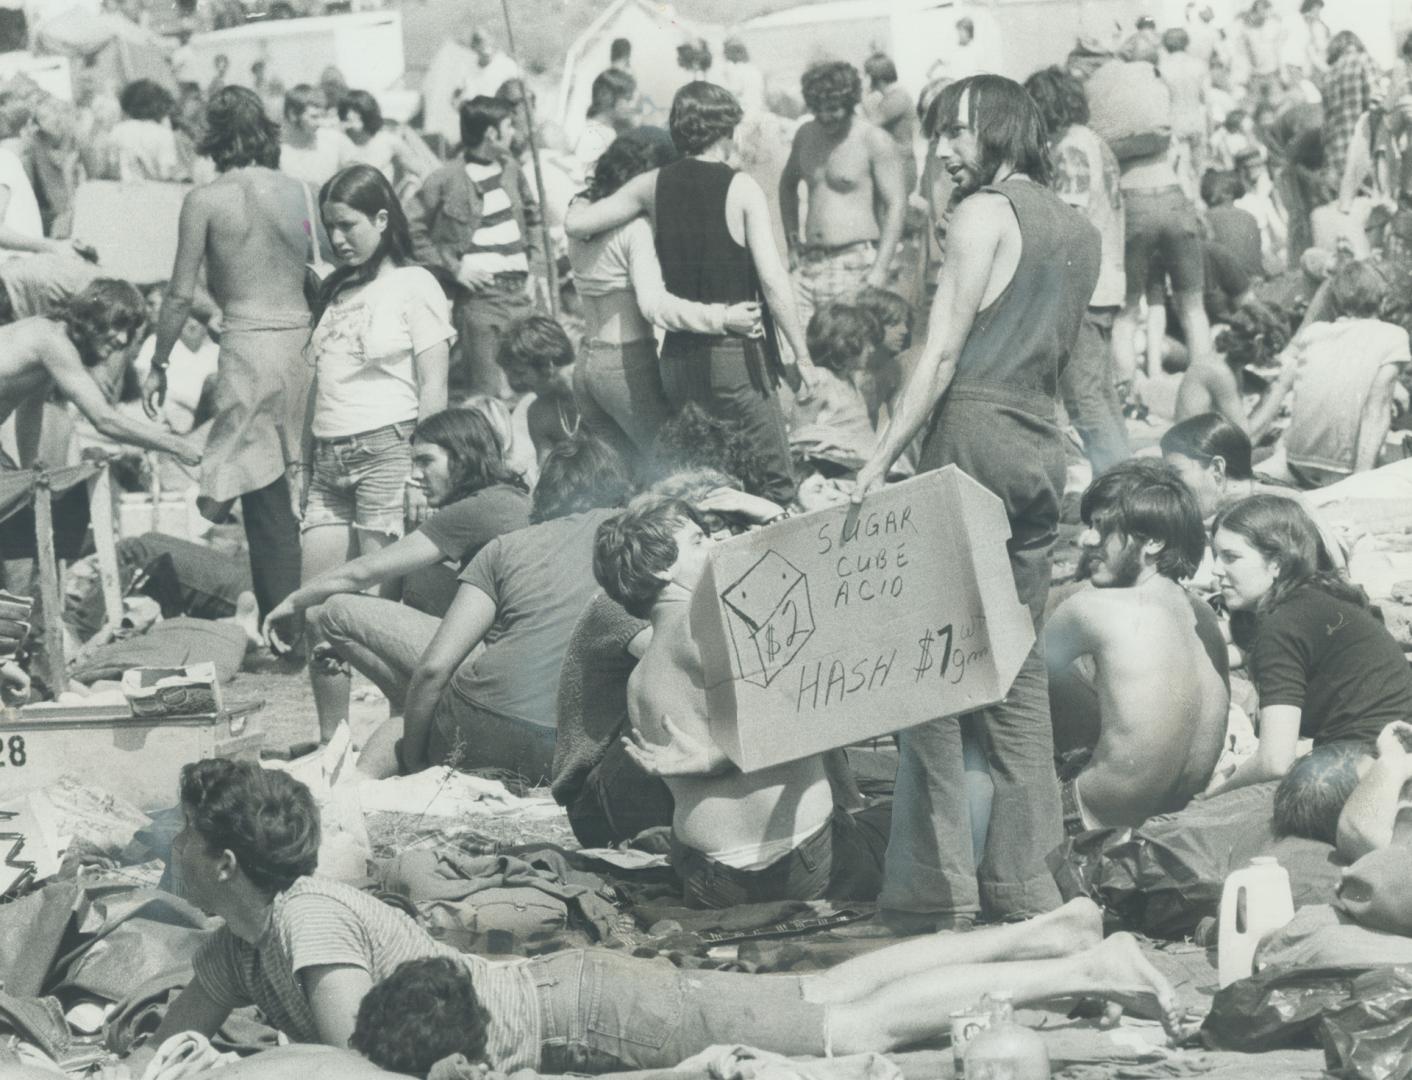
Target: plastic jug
1007,1051
1256,899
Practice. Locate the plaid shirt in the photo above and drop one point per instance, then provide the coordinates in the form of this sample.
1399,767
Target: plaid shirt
1347,91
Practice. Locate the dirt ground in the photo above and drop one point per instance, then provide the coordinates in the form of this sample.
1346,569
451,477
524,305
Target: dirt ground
287,717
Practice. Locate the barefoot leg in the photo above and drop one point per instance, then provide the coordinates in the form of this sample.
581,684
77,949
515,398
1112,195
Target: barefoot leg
1073,928
918,1007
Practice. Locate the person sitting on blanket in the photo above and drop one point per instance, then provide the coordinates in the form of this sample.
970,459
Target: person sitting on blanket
84,351
311,952
1157,690
737,837
1324,665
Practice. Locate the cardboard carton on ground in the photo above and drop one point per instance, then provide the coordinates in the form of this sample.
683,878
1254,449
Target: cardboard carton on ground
178,691
823,631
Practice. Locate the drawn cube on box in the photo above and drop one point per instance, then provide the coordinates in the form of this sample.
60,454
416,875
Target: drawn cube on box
770,617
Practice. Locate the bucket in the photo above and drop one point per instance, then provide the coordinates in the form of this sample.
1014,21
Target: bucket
1255,900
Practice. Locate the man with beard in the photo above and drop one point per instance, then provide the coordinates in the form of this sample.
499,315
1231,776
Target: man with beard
857,198
1020,270
1151,661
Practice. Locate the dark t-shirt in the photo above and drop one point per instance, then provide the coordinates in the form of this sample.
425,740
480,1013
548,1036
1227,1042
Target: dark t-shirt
593,692
541,579
459,530
1238,232
1334,661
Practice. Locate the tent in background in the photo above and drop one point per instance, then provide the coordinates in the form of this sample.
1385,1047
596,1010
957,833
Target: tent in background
112,47
655,32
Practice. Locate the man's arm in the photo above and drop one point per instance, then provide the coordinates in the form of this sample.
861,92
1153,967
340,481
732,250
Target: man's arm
586,220
1069,632
466,623
411,553
1373,425
886,165
972,243
422,209
774,279
789,194
334,992
74,382
1279,734
181,291
1369,817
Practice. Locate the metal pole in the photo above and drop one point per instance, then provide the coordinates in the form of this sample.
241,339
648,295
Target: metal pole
551,269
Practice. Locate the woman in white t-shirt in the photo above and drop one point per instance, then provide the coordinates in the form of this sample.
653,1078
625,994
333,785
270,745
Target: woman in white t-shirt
380,344
374,143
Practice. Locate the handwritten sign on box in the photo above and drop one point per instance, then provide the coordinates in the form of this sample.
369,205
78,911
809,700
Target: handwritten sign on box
819,631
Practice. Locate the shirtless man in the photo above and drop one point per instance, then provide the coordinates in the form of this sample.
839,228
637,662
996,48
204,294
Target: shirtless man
84,351
252,228
736,837
857,194
1156,651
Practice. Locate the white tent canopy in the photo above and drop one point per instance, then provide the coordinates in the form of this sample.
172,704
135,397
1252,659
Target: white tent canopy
655,32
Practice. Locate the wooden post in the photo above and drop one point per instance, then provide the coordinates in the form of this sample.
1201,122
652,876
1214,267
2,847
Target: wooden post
100,513
551,271
50,596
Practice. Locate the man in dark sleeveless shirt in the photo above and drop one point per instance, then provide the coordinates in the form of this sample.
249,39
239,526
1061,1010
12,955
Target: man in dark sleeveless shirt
716,245
1020,268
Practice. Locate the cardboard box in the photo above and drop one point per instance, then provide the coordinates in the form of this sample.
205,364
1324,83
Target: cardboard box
136,758
823,631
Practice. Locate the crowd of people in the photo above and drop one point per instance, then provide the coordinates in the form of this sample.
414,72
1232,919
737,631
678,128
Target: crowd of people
498,516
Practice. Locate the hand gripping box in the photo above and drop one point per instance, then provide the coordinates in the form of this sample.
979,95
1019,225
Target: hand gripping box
850,623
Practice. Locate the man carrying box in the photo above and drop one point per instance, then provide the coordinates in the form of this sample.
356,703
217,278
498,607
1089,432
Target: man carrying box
1020,269
736,837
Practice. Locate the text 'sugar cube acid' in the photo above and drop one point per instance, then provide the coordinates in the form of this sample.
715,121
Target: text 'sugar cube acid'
819,631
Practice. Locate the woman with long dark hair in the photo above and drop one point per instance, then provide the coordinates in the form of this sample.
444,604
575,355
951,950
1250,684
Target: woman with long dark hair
380,347
459,465
1323,664
616,381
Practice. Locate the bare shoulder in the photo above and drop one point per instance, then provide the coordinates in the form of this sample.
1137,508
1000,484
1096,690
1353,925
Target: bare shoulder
875,138
986,213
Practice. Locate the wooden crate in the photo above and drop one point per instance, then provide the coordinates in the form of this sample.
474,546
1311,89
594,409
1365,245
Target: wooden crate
136,758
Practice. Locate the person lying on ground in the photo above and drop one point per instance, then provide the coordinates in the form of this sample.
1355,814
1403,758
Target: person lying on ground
83,351
736,837
1213,458
308,951
458,466
521,595
432,1009
1324,666
1160,681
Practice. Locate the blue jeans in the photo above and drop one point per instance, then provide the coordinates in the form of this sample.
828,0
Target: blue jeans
466,736
801,874
618,390
1090,397
1001,438
602,1011
381,639
723,376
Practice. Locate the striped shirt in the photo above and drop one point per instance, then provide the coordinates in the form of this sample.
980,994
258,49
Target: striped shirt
316,922
497,245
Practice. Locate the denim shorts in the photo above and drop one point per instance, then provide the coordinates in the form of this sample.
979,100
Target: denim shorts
1163,238
602,1012
358,480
